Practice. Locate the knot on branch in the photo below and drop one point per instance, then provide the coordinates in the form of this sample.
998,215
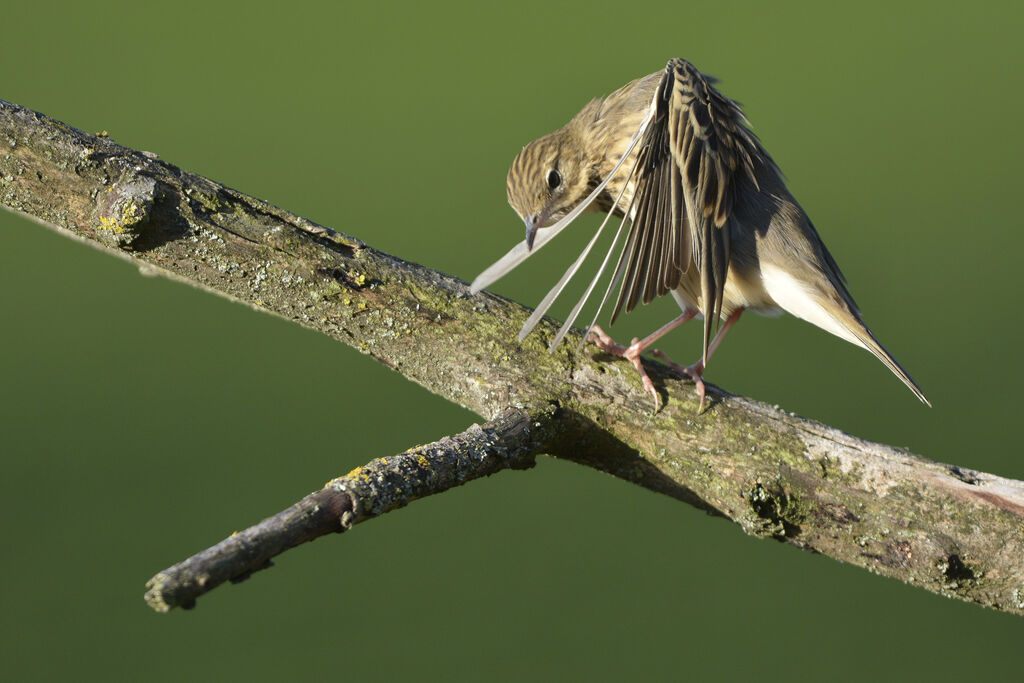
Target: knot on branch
777,512
125,209
955,572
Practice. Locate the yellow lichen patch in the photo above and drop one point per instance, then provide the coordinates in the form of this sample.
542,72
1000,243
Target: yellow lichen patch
422,460
113,226
131,214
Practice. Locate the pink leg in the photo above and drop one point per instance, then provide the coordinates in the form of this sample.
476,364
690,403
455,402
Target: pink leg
696,371
636,347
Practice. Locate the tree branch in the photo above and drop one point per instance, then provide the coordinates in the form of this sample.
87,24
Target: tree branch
510,441
951,531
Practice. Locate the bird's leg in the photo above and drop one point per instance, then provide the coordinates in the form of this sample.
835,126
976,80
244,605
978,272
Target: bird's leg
637,346
696,371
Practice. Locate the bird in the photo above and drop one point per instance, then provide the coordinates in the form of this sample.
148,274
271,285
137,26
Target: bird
704,215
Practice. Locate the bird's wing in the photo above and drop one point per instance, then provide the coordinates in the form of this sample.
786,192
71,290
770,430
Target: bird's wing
690,162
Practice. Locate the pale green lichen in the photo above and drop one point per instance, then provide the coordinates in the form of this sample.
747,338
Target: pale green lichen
207,200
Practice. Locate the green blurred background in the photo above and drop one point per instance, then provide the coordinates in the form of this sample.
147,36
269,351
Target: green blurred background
143,420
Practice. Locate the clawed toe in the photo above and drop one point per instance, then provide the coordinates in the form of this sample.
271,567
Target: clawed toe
637,347
606,343
632,354
694,372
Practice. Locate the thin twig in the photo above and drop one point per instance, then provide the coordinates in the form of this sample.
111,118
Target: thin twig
510,441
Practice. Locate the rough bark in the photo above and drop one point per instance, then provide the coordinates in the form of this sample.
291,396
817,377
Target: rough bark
951,531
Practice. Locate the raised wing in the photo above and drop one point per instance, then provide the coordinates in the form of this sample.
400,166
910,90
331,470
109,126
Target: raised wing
689,166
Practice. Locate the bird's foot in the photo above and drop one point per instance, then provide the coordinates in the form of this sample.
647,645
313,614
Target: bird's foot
630,353
694,372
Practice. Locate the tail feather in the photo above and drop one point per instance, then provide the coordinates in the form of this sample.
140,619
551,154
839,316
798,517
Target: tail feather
821,303
871,343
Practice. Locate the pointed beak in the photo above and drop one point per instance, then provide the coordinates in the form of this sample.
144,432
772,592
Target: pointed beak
533,224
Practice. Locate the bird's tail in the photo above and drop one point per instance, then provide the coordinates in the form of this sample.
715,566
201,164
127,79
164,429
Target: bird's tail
870,342
827,304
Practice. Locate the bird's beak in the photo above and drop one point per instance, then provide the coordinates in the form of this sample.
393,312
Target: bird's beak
531,231
533,224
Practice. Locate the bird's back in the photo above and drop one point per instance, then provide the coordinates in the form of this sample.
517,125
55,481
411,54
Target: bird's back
607,124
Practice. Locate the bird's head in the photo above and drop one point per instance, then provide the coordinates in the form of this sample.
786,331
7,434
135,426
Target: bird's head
548,178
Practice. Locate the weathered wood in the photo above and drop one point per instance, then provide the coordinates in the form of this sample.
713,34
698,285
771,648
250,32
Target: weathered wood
948,530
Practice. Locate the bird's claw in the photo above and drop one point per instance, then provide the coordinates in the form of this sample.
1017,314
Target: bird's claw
694,372
630,353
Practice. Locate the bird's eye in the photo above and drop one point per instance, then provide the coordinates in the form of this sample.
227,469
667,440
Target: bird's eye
554,179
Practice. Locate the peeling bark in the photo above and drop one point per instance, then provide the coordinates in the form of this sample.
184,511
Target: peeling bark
943,528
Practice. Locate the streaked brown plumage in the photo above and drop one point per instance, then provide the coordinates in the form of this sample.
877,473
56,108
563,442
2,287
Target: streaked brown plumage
706,214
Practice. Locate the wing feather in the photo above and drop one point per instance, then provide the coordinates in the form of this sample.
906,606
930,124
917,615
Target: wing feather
555,291
686,181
